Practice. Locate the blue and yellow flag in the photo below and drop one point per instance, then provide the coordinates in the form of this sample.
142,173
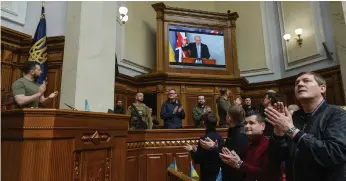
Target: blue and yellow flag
193,173
38,50
173,166
219,176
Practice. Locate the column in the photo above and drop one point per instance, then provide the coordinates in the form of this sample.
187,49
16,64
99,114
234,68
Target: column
89,55
342,57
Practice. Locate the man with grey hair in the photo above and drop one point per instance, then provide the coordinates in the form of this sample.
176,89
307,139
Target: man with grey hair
197,49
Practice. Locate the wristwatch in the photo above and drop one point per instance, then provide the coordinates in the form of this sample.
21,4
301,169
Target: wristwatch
290,131
239,164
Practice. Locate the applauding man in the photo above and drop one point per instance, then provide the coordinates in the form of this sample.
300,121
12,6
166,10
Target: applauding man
27,93
172,112
312,141
254,166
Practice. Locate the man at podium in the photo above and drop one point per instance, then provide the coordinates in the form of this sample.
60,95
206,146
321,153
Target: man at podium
27,93
197,49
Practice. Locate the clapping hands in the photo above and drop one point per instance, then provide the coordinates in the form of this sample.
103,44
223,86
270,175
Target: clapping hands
279,117
190,148
229,157
208,144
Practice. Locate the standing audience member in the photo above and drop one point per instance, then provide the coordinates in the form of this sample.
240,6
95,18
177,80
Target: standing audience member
119,108
236,140
312,141
198,111
269,100
207,159
139,112
172,112
247,106
254,165
222,106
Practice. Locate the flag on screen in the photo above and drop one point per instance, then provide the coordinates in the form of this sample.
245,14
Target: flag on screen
179,52
172,43
38,50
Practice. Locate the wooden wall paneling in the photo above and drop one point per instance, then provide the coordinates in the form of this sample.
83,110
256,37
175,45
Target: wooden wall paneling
132,168
143,165
184,162
161,97
184,103
191,103
55,157
94,164
156,167
6,77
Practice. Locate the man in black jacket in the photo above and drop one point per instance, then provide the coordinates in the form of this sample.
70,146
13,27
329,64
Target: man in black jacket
236,140
196,49
172,112
312,142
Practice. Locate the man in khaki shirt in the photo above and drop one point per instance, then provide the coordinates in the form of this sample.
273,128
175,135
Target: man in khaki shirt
27,93
140,114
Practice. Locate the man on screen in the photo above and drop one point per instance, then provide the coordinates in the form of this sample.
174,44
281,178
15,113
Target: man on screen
196,49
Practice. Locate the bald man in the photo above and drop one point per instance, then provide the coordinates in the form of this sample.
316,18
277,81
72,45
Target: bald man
140,114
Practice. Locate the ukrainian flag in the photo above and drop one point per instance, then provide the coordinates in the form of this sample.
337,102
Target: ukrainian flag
172,46
173,166
193,173
38,50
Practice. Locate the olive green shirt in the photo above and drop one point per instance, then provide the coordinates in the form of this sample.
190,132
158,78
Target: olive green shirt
144,112
197,113
27,88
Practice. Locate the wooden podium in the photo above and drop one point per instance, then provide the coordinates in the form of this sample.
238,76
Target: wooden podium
56,145
205,61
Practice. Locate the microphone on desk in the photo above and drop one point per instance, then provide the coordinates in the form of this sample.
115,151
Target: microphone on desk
70,107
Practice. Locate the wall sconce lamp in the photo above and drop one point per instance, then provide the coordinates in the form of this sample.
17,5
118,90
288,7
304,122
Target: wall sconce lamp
122,19
299,33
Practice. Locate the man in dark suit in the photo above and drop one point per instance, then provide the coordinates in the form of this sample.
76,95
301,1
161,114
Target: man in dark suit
197,49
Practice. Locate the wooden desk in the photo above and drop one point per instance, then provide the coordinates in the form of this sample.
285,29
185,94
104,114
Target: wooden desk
62,145
149,152
205,61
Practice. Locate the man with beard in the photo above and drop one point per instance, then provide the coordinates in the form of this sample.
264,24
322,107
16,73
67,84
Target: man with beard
199,111
172,112
247,106
119,108
312,141
27,93
140,113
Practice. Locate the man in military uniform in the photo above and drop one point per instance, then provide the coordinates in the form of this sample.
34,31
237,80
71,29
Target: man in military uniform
199,111
140,114
222,106
27,93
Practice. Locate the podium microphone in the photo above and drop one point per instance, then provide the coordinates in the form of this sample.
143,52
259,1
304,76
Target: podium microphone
70,107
